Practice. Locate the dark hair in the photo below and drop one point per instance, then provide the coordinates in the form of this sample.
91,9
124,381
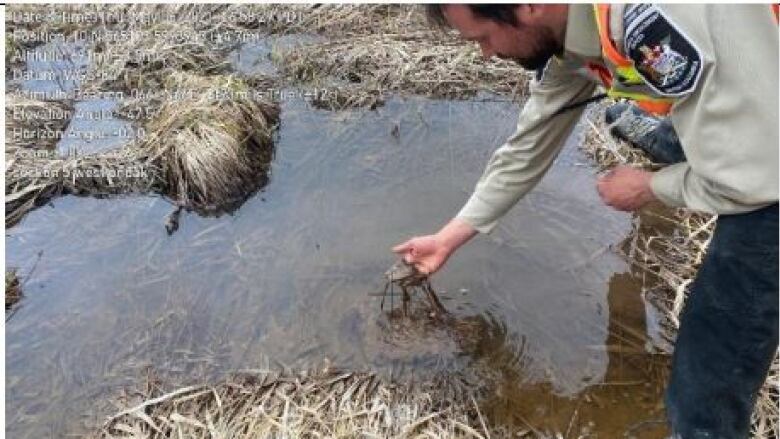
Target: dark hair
502,13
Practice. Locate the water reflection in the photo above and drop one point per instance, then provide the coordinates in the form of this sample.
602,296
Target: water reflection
286,277
625,402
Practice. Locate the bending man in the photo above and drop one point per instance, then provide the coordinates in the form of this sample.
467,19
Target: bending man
712,69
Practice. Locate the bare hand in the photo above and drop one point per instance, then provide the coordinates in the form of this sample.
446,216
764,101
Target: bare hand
625,188
427,253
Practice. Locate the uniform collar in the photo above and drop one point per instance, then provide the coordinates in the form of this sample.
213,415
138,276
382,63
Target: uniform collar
582,34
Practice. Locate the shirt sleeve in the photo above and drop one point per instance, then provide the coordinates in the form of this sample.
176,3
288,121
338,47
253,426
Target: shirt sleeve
728,124
518,165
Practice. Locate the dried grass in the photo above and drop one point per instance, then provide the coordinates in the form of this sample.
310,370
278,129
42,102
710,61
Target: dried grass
321,404
668,246
33,181
214,151
47,119
326,19
372,50
207,150
341,20
363,69
12,49
334,20
144,61
54,27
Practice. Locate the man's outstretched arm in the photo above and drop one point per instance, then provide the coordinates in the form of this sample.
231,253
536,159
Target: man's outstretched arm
513,170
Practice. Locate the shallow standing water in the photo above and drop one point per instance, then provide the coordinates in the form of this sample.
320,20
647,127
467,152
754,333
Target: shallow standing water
288,278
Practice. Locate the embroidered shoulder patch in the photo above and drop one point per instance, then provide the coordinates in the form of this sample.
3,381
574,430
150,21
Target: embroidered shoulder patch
667,60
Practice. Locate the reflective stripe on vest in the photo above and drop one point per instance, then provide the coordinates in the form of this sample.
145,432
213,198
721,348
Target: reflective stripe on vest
624,67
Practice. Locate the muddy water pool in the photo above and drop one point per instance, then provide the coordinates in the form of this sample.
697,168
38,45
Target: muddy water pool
559,328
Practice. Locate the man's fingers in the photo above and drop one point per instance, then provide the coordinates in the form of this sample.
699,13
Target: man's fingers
422,268
401,248
407,251
606,175
600,187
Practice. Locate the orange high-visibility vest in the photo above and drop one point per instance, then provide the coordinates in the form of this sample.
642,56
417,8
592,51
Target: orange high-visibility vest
625,67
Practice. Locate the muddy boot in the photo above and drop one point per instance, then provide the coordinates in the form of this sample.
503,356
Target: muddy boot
655,136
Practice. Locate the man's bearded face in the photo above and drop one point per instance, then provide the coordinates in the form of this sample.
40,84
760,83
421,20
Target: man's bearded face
531,46
542,46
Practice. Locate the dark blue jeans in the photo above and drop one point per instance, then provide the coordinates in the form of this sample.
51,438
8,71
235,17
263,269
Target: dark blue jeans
729,326
728,330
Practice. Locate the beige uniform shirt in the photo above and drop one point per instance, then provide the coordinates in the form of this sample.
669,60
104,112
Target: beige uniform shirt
727,121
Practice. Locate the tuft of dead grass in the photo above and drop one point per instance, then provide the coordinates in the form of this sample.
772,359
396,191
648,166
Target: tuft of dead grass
206,150
215,148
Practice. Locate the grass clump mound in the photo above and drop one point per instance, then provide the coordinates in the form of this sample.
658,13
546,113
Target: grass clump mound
208,150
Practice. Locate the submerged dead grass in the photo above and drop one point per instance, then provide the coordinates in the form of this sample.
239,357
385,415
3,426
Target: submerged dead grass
667,246
13,289
333,404
322,404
